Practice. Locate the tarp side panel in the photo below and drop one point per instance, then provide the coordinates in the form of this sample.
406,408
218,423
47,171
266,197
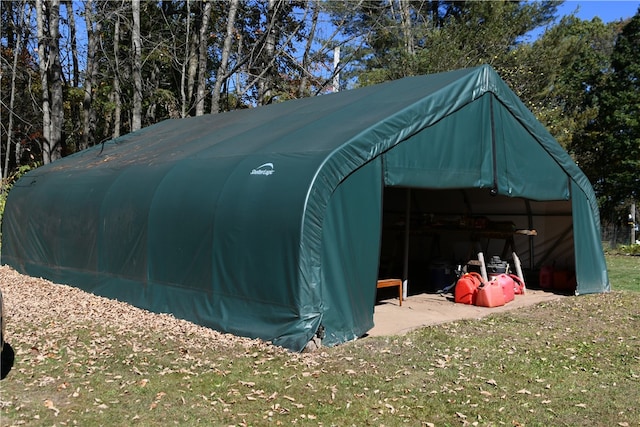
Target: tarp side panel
123,229
180,221
446,154
350,254
591,267
256,250
22,240
526,118
50,228
524,167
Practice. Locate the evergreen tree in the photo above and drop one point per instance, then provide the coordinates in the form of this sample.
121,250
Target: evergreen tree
610,149
555,74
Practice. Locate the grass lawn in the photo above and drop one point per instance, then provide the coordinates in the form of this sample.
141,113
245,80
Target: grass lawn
570,362
624,272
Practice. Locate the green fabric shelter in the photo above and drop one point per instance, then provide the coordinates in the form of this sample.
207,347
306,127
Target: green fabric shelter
267,222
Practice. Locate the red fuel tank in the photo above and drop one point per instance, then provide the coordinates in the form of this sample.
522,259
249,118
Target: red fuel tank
518,285
490,295
508,287
467,288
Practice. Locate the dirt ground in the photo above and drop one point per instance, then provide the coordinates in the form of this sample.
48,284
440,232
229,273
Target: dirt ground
430,309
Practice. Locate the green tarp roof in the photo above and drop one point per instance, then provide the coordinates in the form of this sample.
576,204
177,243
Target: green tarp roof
265,222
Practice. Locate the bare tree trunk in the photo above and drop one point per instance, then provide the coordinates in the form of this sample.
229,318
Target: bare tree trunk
202,58
57,105
75,109
26,20
303,89
405,13
74,43
185,74
17,49
193,51
238,79
153,85
136,119
116,99
265,84
51,78
222,75
44,77
88,113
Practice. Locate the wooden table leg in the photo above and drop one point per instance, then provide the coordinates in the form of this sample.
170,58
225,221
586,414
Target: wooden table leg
389,283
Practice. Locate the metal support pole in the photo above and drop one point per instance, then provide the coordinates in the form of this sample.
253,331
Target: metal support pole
632,222
336,73
407,229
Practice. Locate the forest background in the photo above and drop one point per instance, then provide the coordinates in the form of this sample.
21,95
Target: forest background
77,73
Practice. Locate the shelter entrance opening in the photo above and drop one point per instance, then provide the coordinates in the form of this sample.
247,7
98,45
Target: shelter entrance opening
430,235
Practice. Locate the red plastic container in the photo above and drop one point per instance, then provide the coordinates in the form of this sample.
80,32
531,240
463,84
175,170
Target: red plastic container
467,288
508,287
546,277
490,295
518,285
564,280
